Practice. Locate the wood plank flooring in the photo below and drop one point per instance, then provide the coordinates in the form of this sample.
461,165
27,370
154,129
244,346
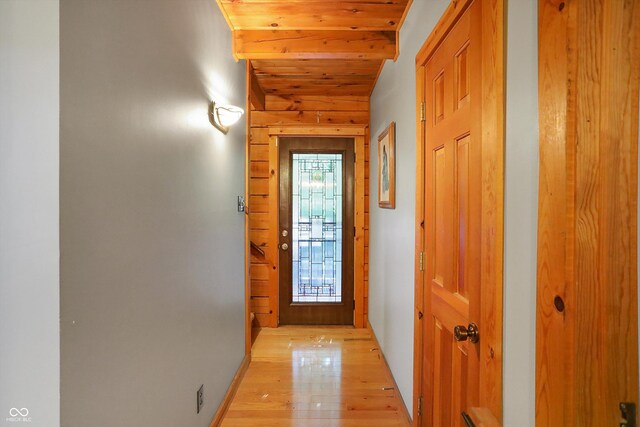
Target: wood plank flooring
312,376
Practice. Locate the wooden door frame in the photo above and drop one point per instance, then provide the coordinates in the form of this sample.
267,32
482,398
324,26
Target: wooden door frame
492,220
359,134
320,313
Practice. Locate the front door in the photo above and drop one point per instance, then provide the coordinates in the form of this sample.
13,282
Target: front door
453,191
316,232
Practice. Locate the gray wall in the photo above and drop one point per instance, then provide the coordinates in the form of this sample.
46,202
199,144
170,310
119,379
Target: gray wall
152,270
521,214
29,254
392,231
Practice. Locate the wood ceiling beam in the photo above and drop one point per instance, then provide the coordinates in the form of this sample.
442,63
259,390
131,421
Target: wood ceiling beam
256,95
321,15
308,86
316,67
316,103
254,3
298,44
289,118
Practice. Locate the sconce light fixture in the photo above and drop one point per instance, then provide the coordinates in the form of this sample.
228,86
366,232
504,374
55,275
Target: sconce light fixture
224,116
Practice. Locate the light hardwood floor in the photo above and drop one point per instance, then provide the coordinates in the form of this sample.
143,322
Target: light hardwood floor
311,376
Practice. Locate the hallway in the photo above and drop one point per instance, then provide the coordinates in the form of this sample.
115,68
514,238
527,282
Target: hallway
309,376
452,182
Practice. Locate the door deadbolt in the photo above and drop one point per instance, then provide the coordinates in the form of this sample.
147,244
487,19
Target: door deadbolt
470,333
284,246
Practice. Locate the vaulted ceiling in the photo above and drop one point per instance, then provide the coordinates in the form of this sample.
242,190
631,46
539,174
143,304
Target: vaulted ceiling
315,47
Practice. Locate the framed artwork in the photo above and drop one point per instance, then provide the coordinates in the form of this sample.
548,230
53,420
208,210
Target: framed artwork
387,167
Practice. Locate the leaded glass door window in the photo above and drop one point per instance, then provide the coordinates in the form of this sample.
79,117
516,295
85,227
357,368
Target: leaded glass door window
316,210
317,227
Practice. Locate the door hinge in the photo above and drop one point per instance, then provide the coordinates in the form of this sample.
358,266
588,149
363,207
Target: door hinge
354,304
420,406
421,261
628,414
423,111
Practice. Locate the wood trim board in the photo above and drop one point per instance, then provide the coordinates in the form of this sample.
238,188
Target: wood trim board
359,222
231,391
493,137
247,234
405,412
586,311
418,312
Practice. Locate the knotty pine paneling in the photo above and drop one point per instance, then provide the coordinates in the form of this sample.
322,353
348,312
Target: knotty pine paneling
259,153
260,237
317,103
259,272
308,44
289,110
259,221
296,118
260,305
366,229
260,288
259,169
258,136
256,258
587,312
259,204
258,186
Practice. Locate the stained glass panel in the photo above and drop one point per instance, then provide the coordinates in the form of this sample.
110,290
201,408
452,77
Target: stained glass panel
317,227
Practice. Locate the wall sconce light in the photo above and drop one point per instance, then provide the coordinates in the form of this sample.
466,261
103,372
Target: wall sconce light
224,116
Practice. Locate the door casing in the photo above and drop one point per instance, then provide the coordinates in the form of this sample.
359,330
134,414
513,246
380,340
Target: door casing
586,307
361,138
492,222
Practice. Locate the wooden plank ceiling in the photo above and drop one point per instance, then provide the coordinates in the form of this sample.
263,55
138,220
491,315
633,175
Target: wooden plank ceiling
315,47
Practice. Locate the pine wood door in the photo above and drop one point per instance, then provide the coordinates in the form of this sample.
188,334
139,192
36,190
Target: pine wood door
452,183
316,232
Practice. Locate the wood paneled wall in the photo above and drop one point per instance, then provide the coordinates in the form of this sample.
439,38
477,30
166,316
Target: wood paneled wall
318,115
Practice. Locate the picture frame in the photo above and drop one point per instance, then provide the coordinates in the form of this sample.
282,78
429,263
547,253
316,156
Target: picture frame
387,167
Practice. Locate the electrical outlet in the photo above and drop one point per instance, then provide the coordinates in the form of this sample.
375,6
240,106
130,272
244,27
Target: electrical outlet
200,398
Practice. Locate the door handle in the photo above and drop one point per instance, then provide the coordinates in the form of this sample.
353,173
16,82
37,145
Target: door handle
467,420
284,246
471,333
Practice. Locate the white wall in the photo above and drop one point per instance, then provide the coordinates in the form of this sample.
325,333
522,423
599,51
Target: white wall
29,254
392,231
152,269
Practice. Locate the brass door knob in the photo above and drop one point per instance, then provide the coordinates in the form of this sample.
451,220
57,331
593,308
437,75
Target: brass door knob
471,333
284,246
